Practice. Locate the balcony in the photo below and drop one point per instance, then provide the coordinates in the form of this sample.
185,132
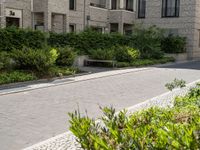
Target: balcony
121,15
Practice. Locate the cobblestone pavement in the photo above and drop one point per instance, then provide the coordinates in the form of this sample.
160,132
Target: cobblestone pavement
29,117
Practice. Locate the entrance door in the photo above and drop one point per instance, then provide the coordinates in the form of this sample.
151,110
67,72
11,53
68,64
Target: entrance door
12,22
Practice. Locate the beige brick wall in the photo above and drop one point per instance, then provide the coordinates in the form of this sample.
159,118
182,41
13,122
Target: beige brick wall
185,23
24,6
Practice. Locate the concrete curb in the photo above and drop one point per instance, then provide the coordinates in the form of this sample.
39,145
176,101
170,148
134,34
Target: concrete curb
67,141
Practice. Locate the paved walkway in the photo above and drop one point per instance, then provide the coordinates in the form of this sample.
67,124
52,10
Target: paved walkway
33,116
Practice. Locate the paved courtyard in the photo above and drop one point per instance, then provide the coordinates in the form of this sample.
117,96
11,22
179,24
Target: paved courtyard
29,117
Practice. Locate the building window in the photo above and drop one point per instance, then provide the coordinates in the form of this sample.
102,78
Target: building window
141,8
98,3
129,5
12,22
72,4
170,8
114,4
72,28
114,28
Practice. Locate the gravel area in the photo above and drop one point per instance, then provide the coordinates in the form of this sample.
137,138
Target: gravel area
67,141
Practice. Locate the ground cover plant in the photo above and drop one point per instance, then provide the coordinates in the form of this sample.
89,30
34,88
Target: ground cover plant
176,127
16,76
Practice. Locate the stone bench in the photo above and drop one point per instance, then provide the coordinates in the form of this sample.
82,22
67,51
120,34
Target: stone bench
88,62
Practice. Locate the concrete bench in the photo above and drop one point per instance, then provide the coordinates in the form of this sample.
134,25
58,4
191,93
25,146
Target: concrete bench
88,62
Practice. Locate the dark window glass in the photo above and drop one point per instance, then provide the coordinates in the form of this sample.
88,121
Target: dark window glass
72,4
141,8
72,28
170,8
12,22
114,4
129,5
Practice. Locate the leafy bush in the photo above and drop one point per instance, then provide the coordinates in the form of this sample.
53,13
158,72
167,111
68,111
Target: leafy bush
174,44
87,40
61,71
16,76
35,60
154,128
148,41
5,61
126,54
102,54
175,84
118,53
15,38
66,56
145,62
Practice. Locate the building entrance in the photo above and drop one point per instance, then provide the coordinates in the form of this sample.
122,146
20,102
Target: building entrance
12,22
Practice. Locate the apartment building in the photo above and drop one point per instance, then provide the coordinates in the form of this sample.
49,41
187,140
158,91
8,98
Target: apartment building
176,16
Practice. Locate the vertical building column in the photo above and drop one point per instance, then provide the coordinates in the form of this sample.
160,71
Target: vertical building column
2,14
134,5
109,4
47,21
121,27
65,23
121,4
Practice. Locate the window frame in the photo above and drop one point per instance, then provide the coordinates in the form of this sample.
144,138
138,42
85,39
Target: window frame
74,27
127,6
139,10
165,9
74,6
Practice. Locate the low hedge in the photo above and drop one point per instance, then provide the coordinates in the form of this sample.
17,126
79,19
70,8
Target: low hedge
177,127
14,38
87,40
16,76
145,62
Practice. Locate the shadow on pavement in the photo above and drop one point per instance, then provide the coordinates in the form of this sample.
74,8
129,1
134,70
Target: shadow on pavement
195,65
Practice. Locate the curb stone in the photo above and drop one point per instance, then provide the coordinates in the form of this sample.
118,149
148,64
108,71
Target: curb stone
67,141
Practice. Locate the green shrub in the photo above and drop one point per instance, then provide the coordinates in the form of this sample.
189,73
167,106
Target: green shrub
35,60
5,61
148,41
145,62
174,44
102,54
61,71
154,128
87,40
16,76
175,84
66,56
15,38
126,54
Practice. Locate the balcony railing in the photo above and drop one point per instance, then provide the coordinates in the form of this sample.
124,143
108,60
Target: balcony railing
98,5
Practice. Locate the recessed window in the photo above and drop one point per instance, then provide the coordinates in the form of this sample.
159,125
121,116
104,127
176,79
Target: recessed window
114,4
170,8
141,8
129,5
114,27
72,28
72,4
